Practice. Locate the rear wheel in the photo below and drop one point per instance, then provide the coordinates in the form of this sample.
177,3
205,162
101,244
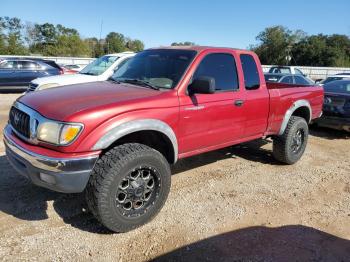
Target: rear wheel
128,187
289,147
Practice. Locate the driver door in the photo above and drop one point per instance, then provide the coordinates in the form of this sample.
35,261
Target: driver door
211,120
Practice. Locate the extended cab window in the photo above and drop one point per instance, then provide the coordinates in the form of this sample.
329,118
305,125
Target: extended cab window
222,68
250,72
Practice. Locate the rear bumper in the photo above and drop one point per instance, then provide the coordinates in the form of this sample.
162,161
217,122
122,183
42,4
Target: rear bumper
340,123
67,175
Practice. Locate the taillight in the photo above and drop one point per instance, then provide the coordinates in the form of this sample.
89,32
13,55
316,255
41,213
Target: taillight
61,71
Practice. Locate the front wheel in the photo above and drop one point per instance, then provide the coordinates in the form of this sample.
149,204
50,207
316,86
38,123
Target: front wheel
128,186
289,147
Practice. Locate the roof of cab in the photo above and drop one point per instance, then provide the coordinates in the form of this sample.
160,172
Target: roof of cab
198,48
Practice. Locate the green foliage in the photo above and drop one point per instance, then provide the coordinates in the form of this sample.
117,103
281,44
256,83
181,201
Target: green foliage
11,39
187,43
56,40
277,43
115,43
135,45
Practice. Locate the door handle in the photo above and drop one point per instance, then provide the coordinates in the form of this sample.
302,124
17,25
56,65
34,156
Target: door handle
239,102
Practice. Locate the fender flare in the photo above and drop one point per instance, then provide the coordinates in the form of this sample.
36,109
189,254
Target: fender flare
134,126
297,104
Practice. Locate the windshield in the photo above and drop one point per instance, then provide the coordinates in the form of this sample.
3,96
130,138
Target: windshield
161,68
99,66
338,87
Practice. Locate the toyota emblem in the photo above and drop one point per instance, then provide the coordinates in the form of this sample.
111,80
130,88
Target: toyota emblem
16,118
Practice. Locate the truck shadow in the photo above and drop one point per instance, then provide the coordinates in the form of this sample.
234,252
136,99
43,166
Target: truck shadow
23,200
251,151
286,243
328,133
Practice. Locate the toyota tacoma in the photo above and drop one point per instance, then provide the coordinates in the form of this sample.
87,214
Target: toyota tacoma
115,140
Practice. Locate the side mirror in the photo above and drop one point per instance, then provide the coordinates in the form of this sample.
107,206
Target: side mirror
202,85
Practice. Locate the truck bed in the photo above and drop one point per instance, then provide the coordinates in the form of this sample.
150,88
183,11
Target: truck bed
282,97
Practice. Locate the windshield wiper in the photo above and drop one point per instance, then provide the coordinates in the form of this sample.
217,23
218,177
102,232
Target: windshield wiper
140,83
87,73
113,80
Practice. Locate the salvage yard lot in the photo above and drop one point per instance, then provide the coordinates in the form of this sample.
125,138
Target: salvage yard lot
235,203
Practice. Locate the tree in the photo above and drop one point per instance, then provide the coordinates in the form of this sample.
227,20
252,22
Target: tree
70,45
13,40
115,43
2,36
276,43
187,43
95,47
50,40
135,45
323,50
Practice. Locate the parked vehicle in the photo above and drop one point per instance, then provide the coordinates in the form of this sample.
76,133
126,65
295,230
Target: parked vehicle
288,79
346,74
336,77
286,70
98,70
75,68
116,139
16,74
67,70
336,107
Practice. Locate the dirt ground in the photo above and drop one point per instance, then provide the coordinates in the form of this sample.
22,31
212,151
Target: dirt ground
233,204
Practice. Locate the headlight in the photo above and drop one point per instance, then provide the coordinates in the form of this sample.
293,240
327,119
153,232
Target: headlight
58,133
46,86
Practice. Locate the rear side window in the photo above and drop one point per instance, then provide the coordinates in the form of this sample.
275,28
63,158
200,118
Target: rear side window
27,65
250,72
298,72
8,65
301,81
287,80
222,68
52,64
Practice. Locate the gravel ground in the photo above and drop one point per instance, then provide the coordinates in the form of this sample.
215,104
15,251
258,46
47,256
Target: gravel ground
237,203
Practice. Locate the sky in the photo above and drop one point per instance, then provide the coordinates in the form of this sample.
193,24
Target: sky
158,23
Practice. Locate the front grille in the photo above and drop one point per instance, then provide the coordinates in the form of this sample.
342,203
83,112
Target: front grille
334,101
20,121
32,87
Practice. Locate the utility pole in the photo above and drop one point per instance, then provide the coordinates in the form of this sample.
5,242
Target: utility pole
101,29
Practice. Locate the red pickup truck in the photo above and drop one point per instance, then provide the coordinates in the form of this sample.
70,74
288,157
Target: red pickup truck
116,139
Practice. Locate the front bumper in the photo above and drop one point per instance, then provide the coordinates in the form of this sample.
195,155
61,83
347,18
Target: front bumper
339,123
67,175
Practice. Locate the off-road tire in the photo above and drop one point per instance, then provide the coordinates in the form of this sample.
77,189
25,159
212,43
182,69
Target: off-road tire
282,150
107,175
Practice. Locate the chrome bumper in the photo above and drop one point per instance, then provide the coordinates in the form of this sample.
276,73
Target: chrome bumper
68,175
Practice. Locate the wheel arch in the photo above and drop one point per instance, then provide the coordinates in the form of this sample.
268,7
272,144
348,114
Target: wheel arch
151,132
299,108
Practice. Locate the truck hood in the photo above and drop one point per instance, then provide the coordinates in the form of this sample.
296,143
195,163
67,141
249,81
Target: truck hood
62,103
65,79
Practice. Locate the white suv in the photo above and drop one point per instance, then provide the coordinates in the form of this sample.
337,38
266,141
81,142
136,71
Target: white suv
99,70
286,70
